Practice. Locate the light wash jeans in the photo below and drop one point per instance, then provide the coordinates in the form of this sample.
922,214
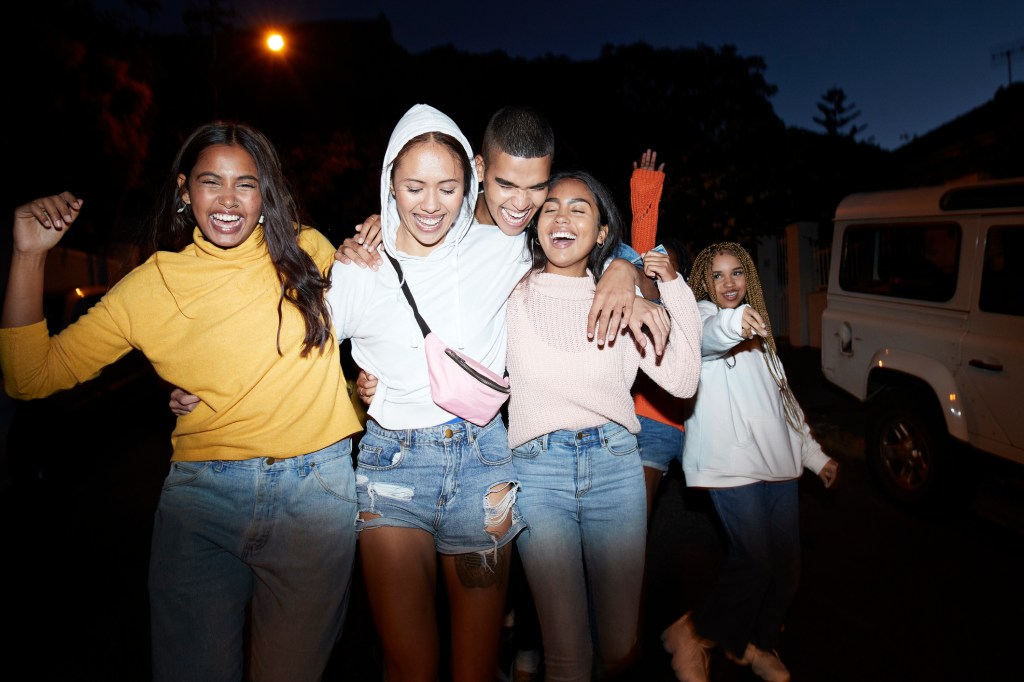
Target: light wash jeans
583,498
760,574
268,541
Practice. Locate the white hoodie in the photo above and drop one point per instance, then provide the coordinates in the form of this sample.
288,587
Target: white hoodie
738,433
461,289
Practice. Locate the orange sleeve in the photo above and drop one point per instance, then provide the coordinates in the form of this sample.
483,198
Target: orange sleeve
644,195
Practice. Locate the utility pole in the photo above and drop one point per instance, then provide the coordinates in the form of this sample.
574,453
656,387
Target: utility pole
1008,52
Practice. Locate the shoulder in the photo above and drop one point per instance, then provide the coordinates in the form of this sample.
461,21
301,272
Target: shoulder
317,246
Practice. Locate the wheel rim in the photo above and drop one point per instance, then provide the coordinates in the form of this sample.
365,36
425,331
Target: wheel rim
905,455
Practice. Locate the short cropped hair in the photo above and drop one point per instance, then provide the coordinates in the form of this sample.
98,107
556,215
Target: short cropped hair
520,131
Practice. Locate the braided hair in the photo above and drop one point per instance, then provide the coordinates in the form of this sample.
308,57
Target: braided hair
703,289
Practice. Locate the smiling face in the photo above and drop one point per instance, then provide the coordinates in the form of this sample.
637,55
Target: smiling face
728,279
224,190
514,188
428,186
568,228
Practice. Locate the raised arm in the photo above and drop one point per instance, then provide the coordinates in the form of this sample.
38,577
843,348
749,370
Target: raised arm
645,187
38,226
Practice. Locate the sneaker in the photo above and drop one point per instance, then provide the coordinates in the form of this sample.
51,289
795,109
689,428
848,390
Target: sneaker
767,666
690,656
526,667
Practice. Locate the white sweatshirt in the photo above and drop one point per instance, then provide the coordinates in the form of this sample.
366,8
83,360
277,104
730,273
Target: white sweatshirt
461,289
738,433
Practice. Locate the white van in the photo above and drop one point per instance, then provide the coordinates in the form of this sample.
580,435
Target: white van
924,321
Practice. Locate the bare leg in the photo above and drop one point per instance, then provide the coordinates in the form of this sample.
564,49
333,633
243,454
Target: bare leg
400,572
477,584
652,478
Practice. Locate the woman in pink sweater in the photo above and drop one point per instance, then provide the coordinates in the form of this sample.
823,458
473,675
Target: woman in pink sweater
573,428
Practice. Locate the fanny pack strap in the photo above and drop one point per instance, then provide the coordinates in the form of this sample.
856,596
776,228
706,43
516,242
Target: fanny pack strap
408,294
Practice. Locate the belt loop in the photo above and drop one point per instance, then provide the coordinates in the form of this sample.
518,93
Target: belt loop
544,442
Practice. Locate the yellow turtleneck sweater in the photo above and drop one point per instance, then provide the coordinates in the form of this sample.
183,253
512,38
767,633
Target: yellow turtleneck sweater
207,320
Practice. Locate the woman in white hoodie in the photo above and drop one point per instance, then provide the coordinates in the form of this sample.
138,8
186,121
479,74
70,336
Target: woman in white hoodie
432,486
747,442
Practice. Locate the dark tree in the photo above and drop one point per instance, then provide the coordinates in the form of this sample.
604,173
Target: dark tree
837,114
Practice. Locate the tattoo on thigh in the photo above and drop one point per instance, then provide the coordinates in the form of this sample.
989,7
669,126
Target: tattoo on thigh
484,569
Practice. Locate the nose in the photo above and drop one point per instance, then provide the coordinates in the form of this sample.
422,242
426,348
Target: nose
228,198
521,200
431,201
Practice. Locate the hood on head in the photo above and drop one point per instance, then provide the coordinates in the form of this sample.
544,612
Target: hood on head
420,119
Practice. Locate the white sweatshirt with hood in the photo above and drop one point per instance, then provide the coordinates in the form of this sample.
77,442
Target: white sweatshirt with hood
738,433
461,289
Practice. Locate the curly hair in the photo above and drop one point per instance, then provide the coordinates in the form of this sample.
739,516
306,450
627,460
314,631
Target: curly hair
703,289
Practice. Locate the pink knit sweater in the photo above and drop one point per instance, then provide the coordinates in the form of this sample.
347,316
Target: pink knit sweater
560,380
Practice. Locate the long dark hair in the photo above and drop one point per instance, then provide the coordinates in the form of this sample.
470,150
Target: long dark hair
302,284
608,214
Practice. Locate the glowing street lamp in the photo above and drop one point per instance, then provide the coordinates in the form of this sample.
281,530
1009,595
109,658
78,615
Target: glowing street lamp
275,42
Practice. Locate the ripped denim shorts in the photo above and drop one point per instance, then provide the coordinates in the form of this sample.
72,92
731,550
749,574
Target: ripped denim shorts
438,479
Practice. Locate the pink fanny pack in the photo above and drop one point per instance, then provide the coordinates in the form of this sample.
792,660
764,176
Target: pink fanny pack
458,383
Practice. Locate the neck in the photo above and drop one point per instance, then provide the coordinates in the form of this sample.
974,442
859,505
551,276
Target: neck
482,214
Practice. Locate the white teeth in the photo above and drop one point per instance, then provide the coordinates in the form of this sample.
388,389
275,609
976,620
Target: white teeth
515,216
562,235
430,222
226,217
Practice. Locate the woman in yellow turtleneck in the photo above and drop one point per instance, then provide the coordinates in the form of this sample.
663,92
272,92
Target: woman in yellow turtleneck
258,511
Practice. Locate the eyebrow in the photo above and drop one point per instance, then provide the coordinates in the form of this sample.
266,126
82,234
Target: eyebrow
509,183
570,201
213,174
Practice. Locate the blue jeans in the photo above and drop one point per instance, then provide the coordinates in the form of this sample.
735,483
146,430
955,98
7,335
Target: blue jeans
275,537
583,497
438,479
659,443
759,577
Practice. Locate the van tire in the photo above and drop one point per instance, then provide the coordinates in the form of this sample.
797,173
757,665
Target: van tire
908,448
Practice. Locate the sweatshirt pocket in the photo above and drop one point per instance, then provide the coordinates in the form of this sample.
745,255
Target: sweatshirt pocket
767,450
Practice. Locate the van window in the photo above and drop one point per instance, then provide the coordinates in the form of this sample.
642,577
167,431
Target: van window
1002,281
918,261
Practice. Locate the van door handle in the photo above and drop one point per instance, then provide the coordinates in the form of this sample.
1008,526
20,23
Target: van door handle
981,364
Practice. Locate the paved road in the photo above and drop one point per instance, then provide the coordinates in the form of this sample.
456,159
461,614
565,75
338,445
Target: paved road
885,594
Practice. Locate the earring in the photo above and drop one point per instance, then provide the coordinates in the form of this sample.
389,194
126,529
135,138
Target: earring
260,221
181,209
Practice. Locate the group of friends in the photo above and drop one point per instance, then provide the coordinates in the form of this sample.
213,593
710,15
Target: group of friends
245,310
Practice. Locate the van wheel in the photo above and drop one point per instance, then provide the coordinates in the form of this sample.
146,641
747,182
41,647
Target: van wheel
908,448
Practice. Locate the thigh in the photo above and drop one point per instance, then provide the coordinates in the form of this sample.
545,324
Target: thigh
399,568
303,568
614,543
199,584
659,443
746,518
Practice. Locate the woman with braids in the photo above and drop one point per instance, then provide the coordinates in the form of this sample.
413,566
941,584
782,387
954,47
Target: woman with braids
255,531
747,442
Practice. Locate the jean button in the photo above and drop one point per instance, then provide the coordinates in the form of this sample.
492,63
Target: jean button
448,433
579,435
270,460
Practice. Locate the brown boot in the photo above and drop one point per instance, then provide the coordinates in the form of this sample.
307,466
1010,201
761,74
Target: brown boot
690,651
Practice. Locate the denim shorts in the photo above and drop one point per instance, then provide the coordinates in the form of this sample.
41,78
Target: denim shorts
659,443
438,479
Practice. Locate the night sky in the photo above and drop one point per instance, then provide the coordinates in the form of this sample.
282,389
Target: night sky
908,66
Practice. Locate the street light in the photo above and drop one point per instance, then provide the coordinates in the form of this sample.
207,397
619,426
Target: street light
275,41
